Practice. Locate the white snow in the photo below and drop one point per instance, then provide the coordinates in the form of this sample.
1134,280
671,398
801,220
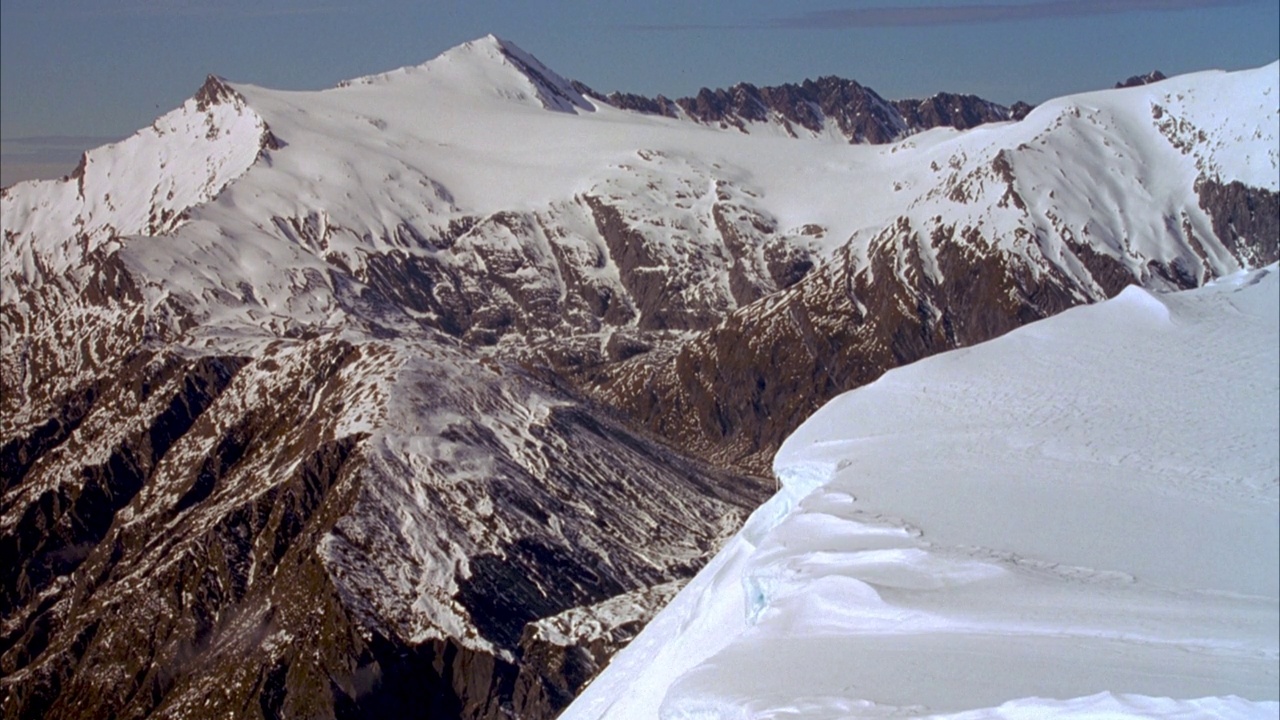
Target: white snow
485,128
140,185
469,134
247,240
1078,519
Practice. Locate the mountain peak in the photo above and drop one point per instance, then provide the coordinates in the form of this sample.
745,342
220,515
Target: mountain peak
490,65
552,90
214,91
487,46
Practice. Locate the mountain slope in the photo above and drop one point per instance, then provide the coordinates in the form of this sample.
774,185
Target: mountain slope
999,226
461,359
1076,519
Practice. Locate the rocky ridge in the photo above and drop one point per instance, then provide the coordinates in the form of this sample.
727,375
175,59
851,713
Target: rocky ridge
827,107
328,422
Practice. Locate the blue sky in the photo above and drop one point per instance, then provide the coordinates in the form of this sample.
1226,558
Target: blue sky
75,73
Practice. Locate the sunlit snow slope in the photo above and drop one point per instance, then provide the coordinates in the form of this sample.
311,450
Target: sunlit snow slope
484,366
1076,519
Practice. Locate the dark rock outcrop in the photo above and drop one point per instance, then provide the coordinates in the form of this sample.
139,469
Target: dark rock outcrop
856,111
184,573
1246,219
737,391
949,110
1020,110
1137,80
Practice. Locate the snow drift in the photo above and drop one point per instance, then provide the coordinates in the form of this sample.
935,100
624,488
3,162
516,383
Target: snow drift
1077,519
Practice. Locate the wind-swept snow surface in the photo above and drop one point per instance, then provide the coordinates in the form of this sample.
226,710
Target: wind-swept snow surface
1078,519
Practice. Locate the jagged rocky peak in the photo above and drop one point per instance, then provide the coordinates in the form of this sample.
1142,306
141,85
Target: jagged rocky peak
660,105
950,110
858,112
829,105
1137,80
215,90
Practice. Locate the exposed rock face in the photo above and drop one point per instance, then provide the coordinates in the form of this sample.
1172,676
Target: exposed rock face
858,112
948,110
1019,110
736,392
564,662
273,446
660,105
828,104
234,549
1246,219
1137,80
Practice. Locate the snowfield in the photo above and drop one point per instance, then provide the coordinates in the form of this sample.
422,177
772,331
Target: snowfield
1078,519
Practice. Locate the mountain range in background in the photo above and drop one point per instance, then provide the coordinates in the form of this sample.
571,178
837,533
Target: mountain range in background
424,393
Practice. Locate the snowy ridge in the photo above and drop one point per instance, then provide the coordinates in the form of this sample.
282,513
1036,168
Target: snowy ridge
1101,541
1220,120
494,67
384,178
391,162
1089,170
143,185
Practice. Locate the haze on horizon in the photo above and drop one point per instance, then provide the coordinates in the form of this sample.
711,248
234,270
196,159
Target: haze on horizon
76,74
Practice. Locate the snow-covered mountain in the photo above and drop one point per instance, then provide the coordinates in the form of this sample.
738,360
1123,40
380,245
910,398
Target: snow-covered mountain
428,389
1077,519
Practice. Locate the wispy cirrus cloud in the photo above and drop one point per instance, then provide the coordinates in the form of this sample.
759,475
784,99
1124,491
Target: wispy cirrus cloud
266,8
888,16
957,14
183,8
